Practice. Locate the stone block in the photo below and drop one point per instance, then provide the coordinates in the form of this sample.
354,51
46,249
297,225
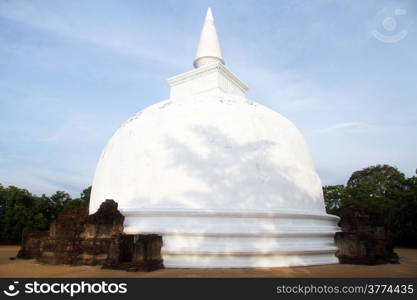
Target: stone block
363,240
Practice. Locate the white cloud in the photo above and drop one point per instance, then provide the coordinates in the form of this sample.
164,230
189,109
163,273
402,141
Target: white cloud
345,127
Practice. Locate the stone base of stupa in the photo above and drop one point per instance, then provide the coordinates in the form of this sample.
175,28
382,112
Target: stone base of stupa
237,239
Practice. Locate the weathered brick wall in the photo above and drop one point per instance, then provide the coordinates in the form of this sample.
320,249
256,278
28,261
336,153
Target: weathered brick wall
362,240
77,238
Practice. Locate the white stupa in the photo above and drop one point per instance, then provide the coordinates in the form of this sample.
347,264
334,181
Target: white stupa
226,181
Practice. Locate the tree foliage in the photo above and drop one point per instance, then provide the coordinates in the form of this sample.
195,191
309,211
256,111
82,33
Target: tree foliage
386,193
403,216
333,196
22,211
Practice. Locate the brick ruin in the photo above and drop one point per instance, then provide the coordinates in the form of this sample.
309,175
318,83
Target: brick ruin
77,238
362,240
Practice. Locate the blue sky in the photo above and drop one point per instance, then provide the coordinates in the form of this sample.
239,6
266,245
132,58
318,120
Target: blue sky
345,72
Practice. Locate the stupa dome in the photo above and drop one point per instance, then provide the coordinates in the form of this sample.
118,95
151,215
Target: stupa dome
212,152
226,181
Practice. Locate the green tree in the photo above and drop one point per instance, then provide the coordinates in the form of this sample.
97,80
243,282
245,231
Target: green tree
85,195
57,202
389,196
83,200
377,188
403,216
333,197
20,211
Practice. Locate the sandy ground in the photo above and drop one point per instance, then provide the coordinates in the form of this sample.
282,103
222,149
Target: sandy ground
31,268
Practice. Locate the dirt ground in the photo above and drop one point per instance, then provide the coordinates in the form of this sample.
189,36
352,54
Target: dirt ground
31,268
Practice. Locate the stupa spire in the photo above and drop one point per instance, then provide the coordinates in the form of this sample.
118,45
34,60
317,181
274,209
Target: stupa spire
210,76
208,50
